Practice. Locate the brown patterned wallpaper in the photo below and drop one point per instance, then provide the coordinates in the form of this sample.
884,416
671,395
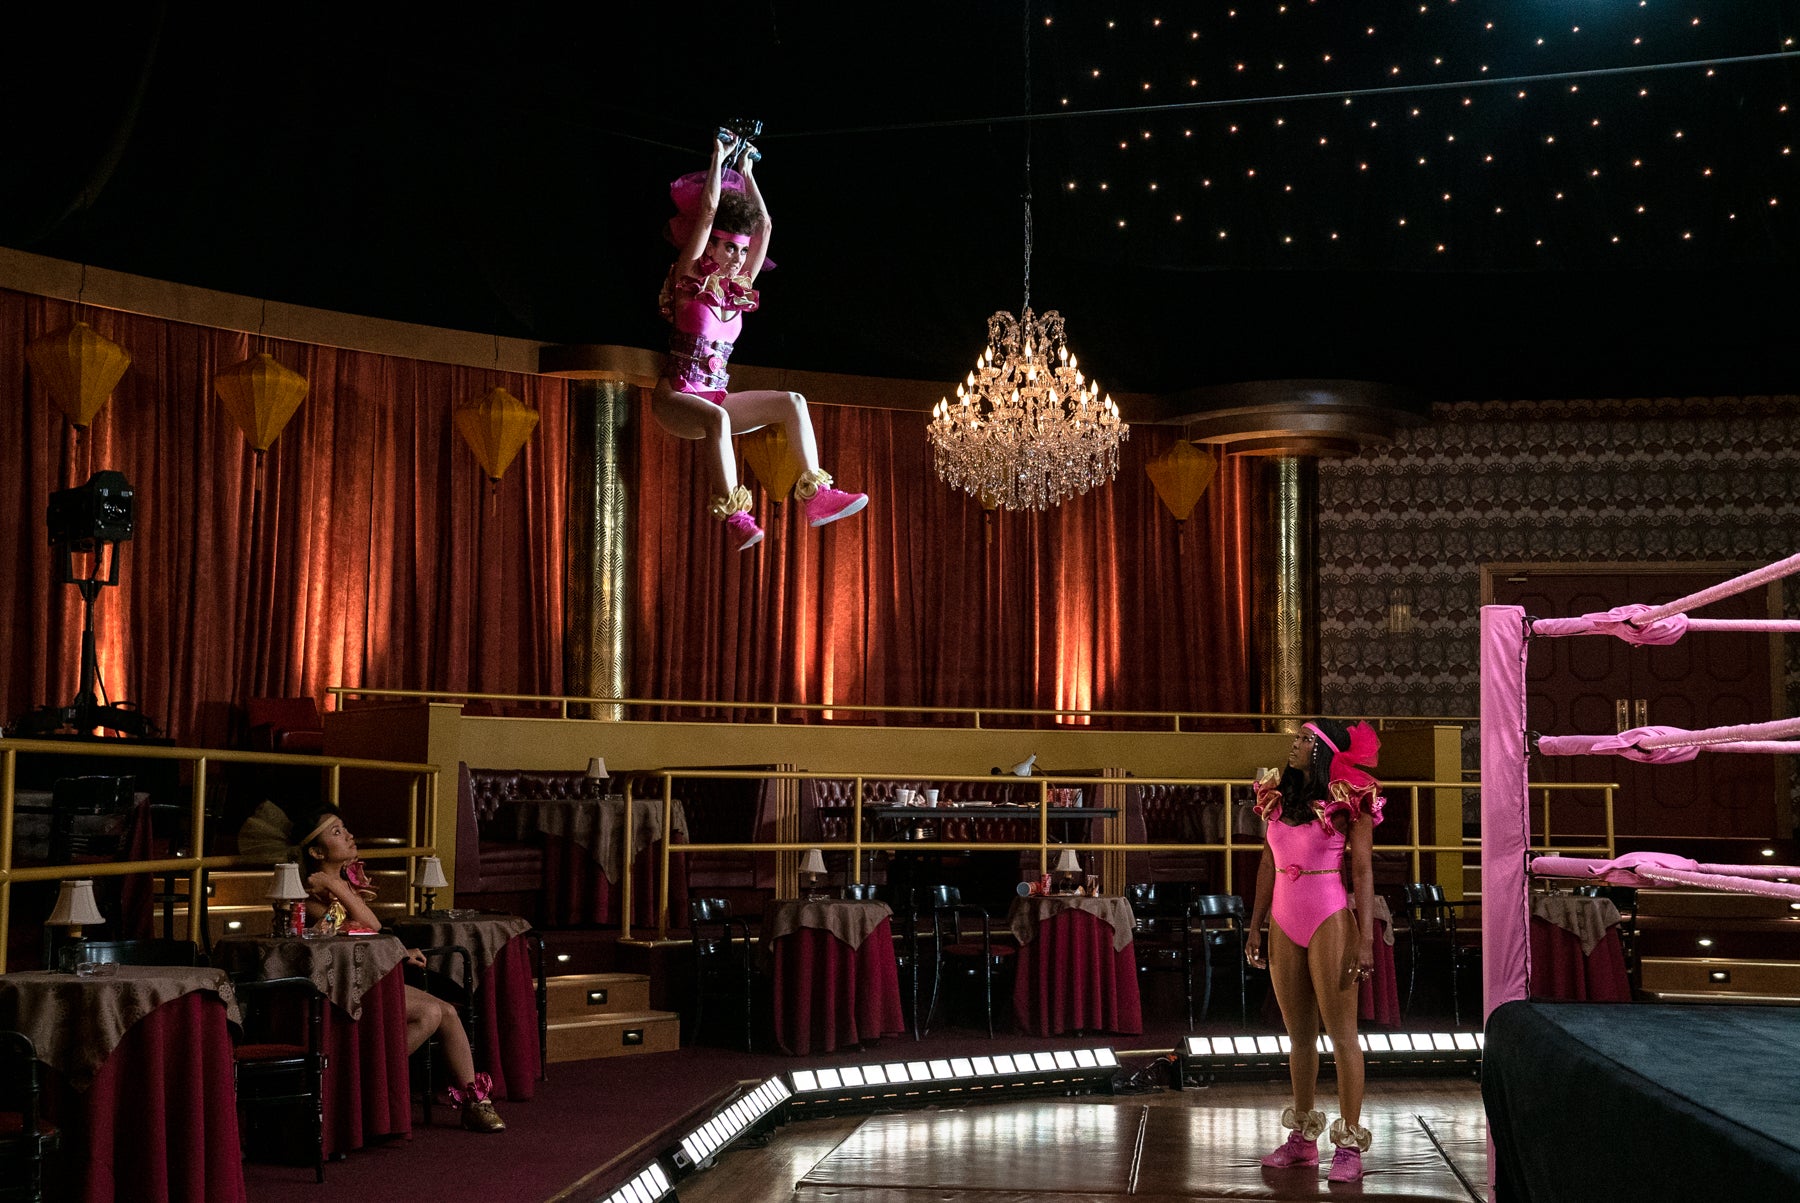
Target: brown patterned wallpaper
1598,481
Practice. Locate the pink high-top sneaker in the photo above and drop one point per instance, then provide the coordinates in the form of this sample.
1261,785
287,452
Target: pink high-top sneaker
1302,1144
828,505
742,532
1346,1165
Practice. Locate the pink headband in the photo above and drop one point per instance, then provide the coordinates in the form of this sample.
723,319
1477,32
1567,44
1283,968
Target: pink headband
728,236
1320,736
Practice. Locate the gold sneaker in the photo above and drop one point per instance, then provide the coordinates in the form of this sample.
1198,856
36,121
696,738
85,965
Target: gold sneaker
480,1116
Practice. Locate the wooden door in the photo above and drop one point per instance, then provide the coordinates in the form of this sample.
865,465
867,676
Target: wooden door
1594,685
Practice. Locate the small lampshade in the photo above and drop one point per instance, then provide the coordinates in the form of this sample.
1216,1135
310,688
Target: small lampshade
596,766
1068,863
813,862
285,885
75,905
431,874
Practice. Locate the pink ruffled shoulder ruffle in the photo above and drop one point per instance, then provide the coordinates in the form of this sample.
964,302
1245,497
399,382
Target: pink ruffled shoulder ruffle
719,291
1355,799
1267,787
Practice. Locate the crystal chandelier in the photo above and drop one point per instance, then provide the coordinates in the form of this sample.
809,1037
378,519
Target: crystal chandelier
1028,430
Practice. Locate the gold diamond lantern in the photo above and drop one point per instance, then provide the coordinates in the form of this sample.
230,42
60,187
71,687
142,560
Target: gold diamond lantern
496,428
1181,475
769,456
260,395
79,367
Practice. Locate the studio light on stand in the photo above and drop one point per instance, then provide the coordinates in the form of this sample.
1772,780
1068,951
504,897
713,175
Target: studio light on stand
288,897
75,910
812,875
429,880
89,521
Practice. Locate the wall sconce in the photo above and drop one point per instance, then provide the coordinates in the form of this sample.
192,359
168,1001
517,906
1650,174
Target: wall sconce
430,880
1400,611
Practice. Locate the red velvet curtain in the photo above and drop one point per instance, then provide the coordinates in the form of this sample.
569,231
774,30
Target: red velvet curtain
1103,602
367,547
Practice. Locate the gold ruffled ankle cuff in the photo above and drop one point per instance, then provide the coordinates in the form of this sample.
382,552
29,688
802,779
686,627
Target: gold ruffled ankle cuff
1308,1125
811,481
1345,1135
733,502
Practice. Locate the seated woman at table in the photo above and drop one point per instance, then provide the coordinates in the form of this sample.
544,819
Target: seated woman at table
1321,811
339,887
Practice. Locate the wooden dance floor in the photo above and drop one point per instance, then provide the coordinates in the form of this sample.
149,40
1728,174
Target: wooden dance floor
1430,1144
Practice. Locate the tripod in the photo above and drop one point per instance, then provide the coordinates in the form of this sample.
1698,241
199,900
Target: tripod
86,712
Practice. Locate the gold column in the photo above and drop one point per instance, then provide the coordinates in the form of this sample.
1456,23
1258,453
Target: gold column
1291,636
597,653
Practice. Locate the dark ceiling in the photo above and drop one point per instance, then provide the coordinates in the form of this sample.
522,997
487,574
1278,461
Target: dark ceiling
1522,198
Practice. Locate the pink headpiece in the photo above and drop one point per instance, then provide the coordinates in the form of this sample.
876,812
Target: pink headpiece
1364,749
731,236
686,191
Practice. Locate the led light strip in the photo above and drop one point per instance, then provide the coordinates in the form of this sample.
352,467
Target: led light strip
949,1071
649,1186
1377,1043
730,1123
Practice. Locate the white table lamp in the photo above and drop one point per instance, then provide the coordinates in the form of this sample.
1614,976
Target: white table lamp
284,891
812,872
75,907
596,775
430,879
1067,876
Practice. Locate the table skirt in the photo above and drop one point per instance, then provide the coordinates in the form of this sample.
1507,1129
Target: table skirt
367,1092
1560,970
507,1044
828,995
1378,999
1070,979
159,1122
577,891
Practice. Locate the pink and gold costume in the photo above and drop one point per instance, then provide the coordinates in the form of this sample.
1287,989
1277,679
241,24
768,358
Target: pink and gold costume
1309,857
706,315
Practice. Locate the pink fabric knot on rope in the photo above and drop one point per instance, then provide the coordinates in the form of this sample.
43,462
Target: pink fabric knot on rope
1625,744
1623,622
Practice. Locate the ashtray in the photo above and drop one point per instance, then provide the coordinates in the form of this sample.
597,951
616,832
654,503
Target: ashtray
96,969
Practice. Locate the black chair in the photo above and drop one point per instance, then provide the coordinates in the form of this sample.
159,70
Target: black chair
858,891
911,928
540,960
90,817
723,966
1215,925
440,978
955,949
1431,920
25,1139
128,952
276,1070
1160,934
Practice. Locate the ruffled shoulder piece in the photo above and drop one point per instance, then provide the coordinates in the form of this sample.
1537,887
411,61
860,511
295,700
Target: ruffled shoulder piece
1354,799
718,289
1268,795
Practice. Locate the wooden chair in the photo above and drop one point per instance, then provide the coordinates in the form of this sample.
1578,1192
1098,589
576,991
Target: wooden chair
25,1138
723,966
1215,923
957,950
1431,920
275,1070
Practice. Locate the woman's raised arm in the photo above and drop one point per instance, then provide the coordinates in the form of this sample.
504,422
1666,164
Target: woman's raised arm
759,240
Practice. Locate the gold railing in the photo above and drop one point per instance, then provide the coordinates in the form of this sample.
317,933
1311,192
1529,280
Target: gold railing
974,714
856,845
421,820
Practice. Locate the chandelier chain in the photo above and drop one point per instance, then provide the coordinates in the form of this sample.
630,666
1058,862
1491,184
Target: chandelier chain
1027,305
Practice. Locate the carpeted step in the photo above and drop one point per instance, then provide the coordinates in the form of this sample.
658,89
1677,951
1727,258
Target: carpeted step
572,996
1735,980
618,1034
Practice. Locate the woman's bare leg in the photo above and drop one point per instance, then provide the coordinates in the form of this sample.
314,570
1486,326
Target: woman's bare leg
774,407
1333,965
427,1016
689,417
1288,970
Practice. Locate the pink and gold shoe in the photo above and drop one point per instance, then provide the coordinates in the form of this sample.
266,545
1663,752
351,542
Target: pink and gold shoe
1302,1144
742,532
1352,1140
828,505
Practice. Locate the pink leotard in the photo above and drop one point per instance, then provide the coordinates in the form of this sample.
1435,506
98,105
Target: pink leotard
1309,857
706,313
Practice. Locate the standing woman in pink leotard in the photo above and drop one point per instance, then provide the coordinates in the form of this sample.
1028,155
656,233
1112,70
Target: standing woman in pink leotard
1321,807
722,230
